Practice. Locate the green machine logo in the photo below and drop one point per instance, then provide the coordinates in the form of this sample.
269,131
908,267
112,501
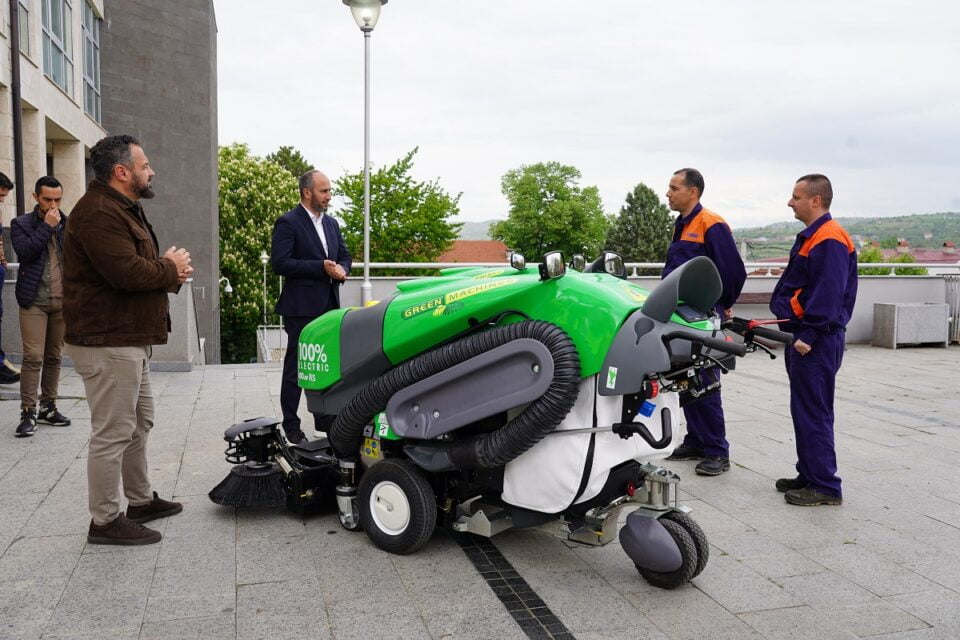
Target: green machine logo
444,305
318,362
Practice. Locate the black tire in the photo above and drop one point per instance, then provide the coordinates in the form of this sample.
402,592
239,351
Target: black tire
699,537
688,555
398,508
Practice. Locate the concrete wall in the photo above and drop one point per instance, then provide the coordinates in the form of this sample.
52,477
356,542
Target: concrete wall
159,83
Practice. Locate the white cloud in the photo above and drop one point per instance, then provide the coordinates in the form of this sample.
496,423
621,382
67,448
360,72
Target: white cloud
752,93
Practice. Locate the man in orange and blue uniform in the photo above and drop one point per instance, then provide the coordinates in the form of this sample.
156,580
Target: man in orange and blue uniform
701,232
815,298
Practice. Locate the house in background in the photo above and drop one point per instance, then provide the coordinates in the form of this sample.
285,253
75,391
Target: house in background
476,251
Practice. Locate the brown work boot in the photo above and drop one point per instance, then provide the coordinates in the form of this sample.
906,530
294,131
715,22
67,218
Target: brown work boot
156,508
121,530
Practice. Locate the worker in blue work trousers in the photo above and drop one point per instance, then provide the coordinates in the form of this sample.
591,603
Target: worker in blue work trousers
815,297
700,232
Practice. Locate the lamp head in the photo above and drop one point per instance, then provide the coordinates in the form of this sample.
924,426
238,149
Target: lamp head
365,12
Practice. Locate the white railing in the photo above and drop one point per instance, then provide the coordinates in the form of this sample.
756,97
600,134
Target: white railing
751,267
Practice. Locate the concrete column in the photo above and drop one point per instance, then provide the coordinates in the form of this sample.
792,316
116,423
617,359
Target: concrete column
68,168
6,154
34,152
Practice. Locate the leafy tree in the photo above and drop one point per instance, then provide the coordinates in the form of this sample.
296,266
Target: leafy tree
549,211
409,220
291,160
253,193
889,242
643,229
873,254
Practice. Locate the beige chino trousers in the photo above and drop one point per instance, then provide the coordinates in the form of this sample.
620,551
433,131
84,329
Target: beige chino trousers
117,383
42,333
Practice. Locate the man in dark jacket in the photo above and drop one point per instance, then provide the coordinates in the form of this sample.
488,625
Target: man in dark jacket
815,297
115,285
307,249
701,232
38,240
8,374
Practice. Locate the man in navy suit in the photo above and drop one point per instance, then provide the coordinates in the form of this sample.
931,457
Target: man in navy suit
308,251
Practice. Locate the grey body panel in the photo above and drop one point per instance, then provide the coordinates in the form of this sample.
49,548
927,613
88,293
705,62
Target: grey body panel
508,376
361,358
649,545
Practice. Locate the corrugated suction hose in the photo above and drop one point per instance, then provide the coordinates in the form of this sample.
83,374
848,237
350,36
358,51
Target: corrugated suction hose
486,450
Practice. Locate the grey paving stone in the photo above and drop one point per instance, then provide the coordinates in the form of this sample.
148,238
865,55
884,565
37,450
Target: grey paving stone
688,613
45,557
795,623
739,588
15,511
290,609
221,627
27,603
94,615
384,615
279,558
869,570
871,619
936,608
826,589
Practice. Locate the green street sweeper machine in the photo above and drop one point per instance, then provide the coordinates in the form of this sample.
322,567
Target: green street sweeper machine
485,400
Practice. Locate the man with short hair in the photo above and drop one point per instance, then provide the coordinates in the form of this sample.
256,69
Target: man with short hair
115,285
700,232
307,249
814,297
38,240
8,373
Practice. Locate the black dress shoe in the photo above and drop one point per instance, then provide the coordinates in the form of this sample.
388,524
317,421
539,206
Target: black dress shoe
810,498
712,466
686,452
789,484
296,438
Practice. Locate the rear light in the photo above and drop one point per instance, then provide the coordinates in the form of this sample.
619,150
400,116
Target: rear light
631,489
653,388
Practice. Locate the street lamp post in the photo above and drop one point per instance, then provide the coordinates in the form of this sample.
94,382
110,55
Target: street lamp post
264,259
366,13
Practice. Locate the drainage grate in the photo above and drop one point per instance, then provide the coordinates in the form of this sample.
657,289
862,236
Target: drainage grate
521,601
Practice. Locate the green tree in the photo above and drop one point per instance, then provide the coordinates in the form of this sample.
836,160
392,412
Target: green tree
409,220
291,160
889,242
873,254
253,193
549,211
643,229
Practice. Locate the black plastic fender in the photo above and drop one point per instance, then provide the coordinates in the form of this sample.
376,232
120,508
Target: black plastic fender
649,545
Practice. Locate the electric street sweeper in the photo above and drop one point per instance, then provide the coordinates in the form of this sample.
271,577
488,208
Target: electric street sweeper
485,400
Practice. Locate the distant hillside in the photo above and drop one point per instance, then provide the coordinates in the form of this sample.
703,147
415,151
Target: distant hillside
921,230
476,230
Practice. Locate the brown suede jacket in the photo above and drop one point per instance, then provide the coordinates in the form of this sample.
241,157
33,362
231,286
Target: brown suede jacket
115,283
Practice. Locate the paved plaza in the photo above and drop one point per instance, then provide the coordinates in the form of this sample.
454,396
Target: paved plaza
885,565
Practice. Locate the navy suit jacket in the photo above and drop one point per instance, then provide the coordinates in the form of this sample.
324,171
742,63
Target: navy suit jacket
298,255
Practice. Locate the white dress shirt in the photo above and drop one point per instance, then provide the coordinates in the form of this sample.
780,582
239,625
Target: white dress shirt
318,225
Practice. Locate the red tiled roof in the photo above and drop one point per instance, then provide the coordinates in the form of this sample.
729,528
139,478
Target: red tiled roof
475,251
925,255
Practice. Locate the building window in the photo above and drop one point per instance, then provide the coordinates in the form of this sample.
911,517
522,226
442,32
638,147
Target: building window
91,62
58,43
23,20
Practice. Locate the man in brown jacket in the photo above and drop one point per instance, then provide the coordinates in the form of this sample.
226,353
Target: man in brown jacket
115,285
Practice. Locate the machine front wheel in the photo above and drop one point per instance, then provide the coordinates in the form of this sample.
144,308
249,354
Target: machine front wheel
688,554
696,533
398,508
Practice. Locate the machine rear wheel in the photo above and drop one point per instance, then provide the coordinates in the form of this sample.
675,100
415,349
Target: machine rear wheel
688,554
398,508
696,533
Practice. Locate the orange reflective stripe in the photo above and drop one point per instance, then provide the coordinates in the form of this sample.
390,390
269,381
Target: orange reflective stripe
696,231
795,304
829,230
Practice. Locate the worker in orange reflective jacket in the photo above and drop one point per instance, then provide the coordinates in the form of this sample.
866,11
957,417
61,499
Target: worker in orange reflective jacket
701,232
815,297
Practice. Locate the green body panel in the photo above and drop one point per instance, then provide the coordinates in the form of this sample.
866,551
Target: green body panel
318,354
590,307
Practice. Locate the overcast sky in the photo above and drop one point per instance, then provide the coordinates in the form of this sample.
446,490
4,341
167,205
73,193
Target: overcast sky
752,93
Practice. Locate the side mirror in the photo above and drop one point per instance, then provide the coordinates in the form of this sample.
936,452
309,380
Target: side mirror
613,264
608,262
578,262
552,266
517,261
